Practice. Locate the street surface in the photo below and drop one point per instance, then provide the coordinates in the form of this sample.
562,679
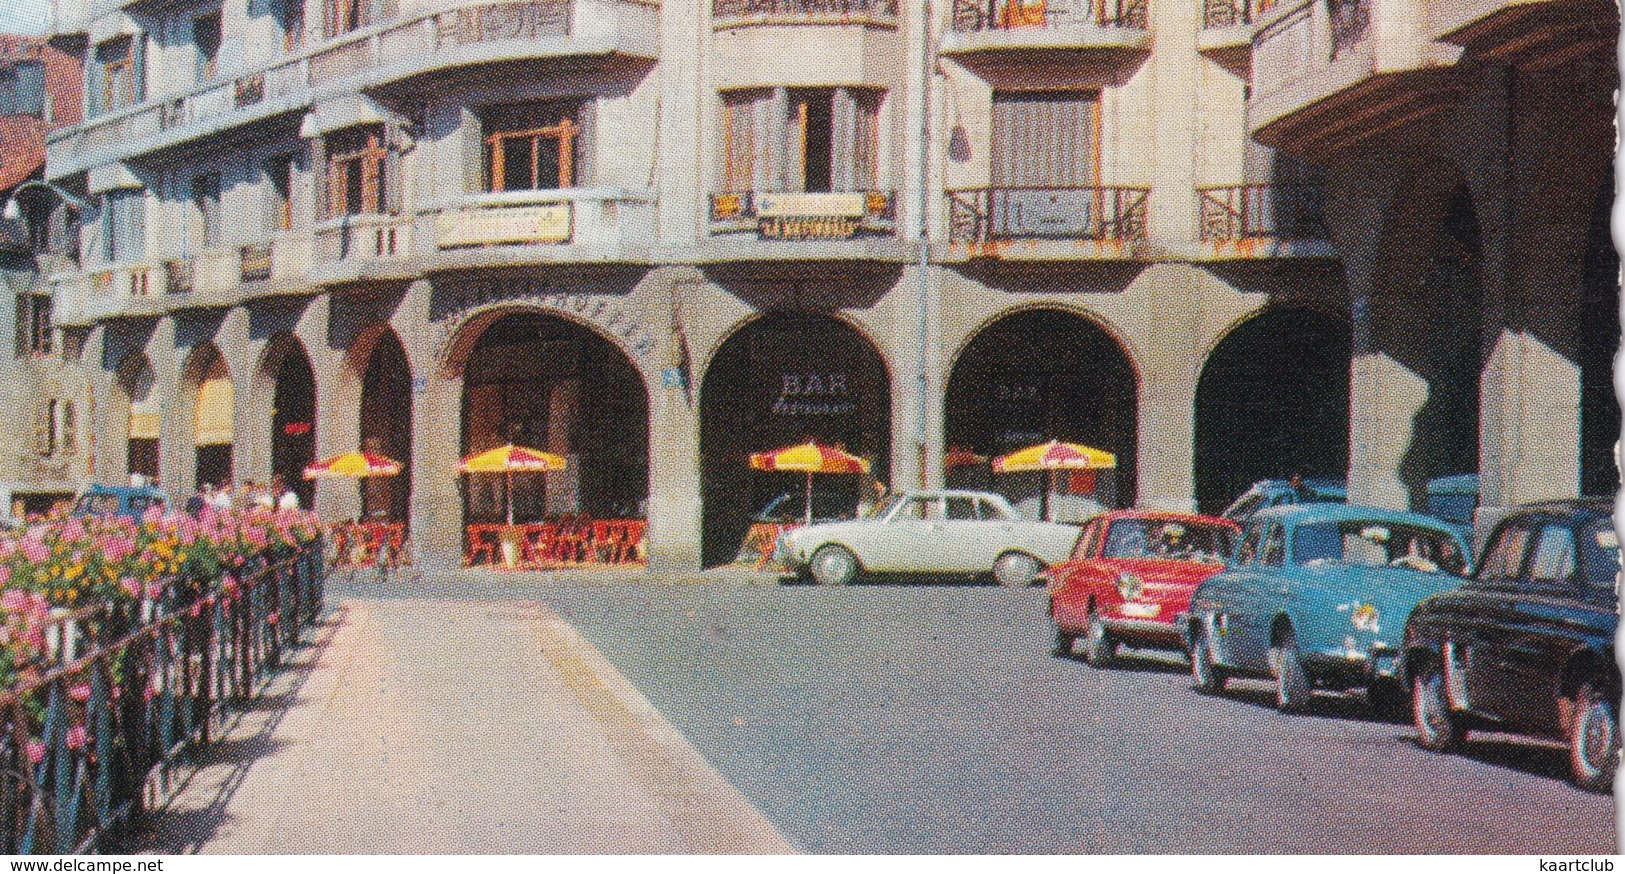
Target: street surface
868,719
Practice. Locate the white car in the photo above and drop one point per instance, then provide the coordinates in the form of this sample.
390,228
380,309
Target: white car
929,532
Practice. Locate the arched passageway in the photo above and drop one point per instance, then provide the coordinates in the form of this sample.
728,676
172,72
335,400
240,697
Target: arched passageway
1272,401
144,421
1599,341
1041,375
293,419
386,429
548,383
214,415
784,379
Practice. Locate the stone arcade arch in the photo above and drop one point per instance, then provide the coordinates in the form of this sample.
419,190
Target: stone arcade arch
293,414
1045,374
543,381
778,380
1272,400
386,427
143,416
213,405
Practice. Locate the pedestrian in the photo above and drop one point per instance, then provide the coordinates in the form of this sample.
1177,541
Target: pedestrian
222,496
204,497
285,498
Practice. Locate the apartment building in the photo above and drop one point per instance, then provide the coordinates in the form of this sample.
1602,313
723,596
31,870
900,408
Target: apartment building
656,237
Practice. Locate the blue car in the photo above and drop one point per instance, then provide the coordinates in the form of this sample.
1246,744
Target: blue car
126,501
1268,493
1316,596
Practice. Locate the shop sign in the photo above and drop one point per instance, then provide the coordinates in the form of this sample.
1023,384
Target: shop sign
809,215
813,394
296,429
548,223
465,298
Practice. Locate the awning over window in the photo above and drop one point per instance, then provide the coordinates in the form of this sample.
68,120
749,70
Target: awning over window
214,408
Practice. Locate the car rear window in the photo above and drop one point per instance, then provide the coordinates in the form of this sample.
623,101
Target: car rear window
1377,544
1169,539
1599,553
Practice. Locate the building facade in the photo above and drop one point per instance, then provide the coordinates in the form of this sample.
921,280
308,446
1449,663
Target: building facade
43,457
658,237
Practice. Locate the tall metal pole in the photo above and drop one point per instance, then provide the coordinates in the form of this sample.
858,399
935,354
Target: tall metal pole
924,266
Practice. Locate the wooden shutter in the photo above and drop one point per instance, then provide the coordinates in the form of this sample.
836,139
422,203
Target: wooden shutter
1044,138
138,68
844,139
42,428
70,428
794,161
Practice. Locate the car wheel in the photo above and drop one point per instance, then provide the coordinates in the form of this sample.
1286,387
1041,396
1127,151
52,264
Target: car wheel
1292,689
1594,739
1099,648
833,565
1063,643
1387,699
1015,569
1437,728
1210,679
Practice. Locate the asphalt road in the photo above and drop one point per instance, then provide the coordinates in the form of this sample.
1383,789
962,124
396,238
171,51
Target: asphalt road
926,719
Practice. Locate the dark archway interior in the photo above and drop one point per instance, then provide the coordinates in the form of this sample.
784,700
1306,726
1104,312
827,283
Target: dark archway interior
547,383
782,380
386,429
1044,375
1273,400
1599,341
293,423
212,405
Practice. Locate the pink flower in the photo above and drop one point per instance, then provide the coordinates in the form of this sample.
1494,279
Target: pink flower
36,751
153,514
131,586
35,550
80,692
271,619
73,530
155,589
77,737
13,600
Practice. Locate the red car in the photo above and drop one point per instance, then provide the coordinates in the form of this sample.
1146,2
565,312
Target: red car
1130,579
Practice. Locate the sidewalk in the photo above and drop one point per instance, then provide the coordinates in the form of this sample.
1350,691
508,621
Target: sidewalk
455,726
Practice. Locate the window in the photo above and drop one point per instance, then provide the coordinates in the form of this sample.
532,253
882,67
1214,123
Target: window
280,172
1274,550
34,333
123,225
1249,545
344,16
831,139
531,147
22,89
206,198
67,428
1377,544
45,429
291,18
962,509
117,75
1504,559
356,172
1553,562
206,37
1599,554
1044,138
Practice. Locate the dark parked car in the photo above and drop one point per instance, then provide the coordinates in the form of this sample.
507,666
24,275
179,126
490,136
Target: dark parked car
1528,644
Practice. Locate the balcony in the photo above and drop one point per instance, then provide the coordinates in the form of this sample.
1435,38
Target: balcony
765,226
744,13
361,247
1227,33
1241,222
408,55
1057,223
1009,41
1327,75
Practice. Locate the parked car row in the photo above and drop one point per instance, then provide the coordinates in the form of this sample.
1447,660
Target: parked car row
1338,597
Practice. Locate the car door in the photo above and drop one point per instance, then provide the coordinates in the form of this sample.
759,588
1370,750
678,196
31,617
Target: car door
967,543
911,538
1540,629
1475,648
1072,591
1245,613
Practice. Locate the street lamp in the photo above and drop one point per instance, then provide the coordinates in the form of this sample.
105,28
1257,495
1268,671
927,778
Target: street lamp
11,211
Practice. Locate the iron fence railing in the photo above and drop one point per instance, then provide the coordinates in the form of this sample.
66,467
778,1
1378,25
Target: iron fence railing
180,275
254,262
1098,213
975,15
1230,13
858,9
129,695
1248,212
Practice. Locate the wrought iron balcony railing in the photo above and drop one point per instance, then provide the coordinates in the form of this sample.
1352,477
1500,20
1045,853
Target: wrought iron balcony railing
798,215
975,15
1262,211
1103,214
1231,13
811,9
179,275
254,262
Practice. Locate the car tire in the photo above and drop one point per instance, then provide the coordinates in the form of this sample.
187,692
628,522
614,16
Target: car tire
1387,699
1099,647
833,565
1064,641
1210,679
1292,689
1594,738
1016,569
1437,728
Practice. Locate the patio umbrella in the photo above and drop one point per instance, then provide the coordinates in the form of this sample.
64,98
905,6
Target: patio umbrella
353,465
959,456
1051,457
809,458
508,459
